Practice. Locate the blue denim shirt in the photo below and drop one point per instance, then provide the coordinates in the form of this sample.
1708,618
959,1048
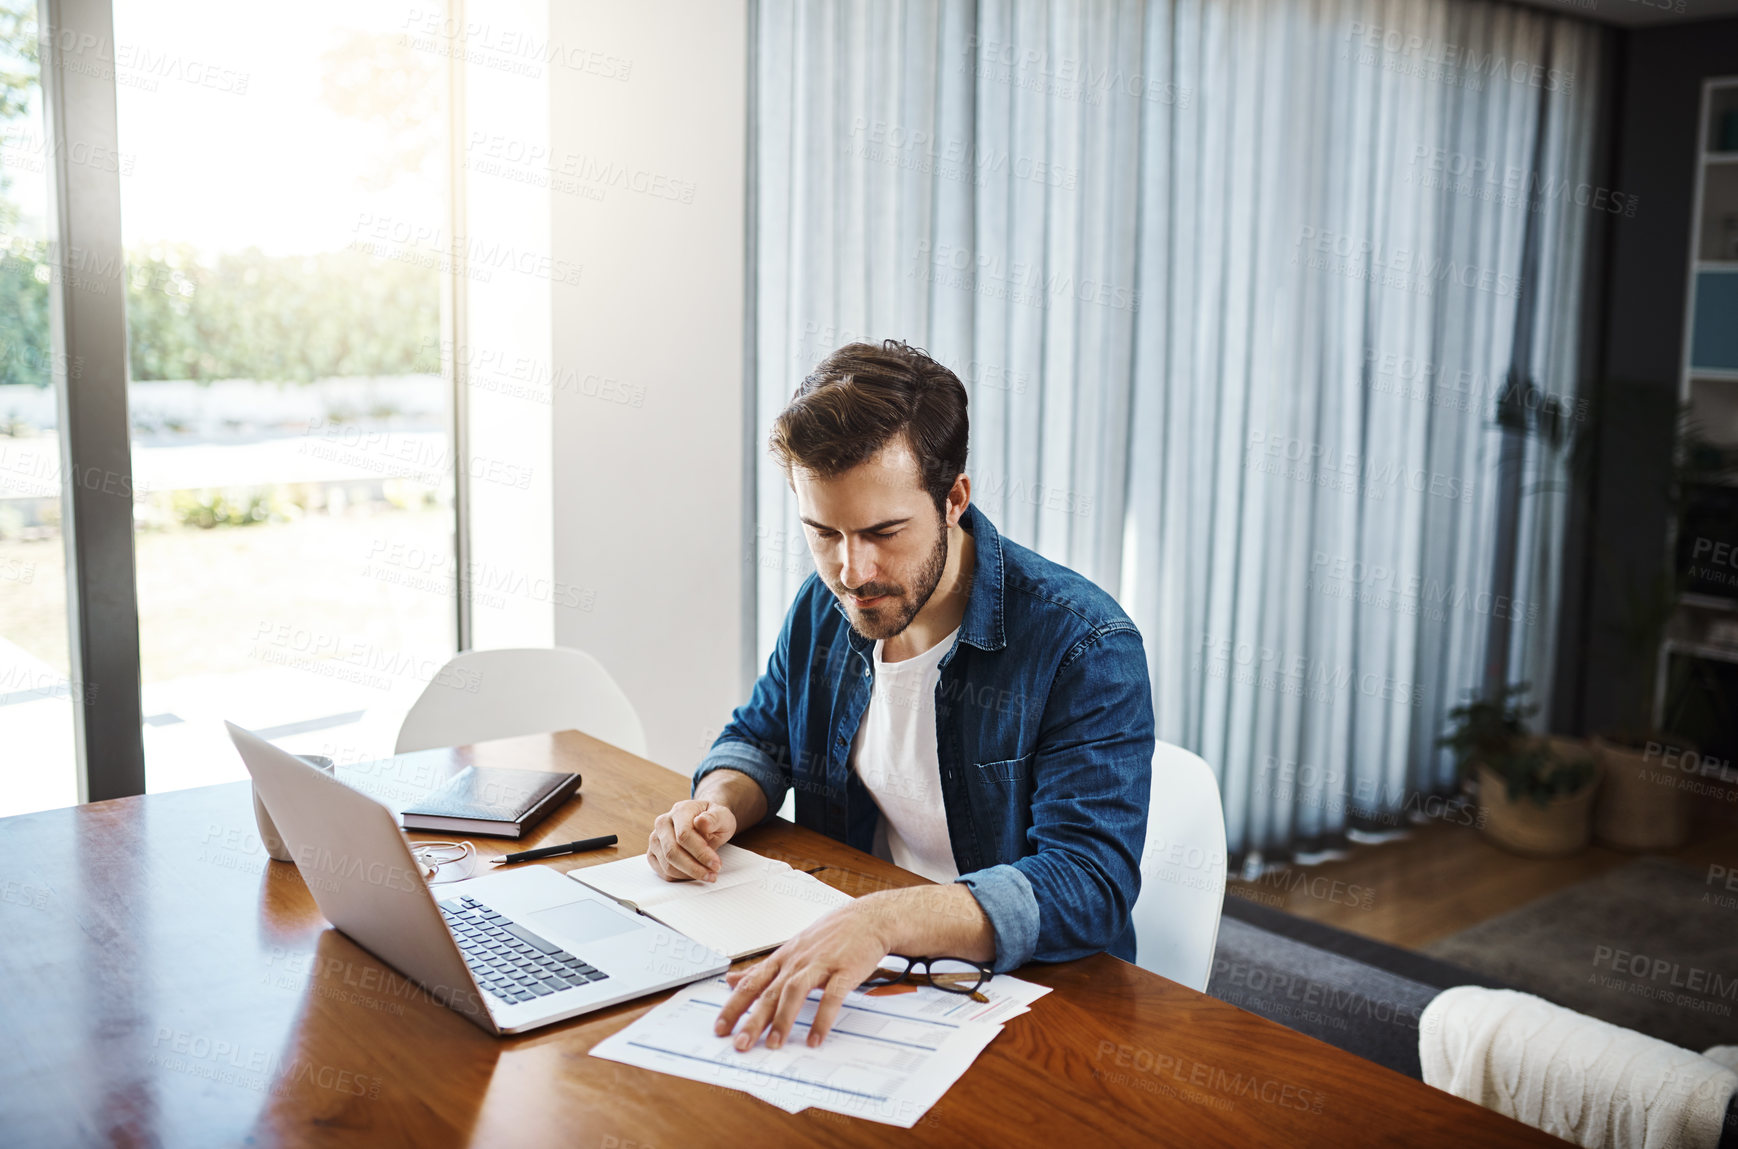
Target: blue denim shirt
1044,735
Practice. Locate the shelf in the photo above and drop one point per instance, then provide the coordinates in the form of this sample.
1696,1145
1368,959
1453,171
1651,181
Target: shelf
1716,246
1705,650
1719,100
1713,335
1708,602
1709,337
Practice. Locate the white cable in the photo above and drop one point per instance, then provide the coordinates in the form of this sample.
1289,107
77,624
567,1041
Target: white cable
429,860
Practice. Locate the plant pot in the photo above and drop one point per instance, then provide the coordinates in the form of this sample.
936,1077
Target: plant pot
1561,826
1640,806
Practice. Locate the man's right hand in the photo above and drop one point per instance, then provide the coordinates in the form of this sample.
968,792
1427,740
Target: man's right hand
684,843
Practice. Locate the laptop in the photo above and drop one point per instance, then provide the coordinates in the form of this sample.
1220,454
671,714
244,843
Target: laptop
510,951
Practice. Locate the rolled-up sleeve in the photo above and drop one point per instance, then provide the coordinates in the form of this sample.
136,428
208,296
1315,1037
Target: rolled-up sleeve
1006,896
1092,778
756,740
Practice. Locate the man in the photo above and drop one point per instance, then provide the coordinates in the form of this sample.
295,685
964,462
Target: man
940,695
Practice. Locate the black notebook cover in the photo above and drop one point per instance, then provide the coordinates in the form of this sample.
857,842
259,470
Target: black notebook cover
491,800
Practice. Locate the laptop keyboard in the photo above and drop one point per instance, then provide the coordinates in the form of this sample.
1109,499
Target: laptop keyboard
509,960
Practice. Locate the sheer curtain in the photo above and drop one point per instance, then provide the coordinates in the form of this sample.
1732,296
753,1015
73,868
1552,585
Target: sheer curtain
1237,288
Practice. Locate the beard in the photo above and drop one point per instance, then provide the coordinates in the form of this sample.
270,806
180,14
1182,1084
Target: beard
886,619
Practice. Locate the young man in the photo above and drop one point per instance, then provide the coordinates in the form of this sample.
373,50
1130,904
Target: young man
940,695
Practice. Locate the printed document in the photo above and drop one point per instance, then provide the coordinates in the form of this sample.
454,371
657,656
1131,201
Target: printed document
891,1054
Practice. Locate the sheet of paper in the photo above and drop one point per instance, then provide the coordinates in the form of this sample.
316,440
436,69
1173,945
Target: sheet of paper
754,916
875,1064
631,880
1008,997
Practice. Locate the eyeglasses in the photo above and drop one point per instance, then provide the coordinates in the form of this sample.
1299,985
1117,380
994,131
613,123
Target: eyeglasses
949,974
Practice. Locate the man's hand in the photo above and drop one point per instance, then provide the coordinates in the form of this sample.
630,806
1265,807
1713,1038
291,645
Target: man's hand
836,953
685,841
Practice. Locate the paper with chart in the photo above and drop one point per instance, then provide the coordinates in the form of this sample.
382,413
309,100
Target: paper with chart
1005,997
757,903
892,1053
874,1064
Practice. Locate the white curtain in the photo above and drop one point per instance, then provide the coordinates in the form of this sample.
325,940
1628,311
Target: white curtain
1234,286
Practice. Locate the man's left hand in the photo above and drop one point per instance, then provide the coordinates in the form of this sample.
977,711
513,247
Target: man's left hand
836,953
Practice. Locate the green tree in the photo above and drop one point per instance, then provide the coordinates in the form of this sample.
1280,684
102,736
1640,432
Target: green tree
24,317
246,315
18,82
398,91
287,318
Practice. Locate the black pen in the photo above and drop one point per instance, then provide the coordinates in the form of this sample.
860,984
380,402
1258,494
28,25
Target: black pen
564,848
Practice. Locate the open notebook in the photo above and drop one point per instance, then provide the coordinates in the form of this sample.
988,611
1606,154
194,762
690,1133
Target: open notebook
756,904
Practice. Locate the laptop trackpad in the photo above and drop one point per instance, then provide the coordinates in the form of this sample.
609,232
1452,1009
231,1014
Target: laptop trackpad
579,922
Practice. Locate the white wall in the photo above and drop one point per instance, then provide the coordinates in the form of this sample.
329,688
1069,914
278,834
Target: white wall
649,165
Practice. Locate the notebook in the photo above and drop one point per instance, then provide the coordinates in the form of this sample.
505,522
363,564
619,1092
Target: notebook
756,904
491,800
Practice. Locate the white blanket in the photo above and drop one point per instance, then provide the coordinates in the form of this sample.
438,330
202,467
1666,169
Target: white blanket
1584,1080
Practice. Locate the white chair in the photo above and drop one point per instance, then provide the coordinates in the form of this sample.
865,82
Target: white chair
1182,894
483,694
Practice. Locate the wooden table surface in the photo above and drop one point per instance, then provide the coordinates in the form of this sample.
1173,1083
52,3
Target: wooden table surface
165,983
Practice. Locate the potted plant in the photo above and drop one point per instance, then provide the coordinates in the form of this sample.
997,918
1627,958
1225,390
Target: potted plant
1535,794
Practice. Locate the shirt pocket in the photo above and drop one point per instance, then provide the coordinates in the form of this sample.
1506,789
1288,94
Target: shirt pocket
1010,770
1001,797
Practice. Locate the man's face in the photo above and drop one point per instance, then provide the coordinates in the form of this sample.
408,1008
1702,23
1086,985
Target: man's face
878,541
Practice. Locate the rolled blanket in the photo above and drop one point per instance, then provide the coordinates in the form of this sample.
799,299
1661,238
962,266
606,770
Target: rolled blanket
1578,1078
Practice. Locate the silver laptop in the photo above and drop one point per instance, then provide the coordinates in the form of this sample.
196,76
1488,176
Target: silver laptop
510,951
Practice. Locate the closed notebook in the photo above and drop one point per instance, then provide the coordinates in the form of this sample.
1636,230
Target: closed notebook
756,904
491,800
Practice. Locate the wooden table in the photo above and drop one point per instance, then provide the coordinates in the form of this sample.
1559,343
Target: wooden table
165,983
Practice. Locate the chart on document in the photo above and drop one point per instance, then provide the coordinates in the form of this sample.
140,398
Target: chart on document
878,1062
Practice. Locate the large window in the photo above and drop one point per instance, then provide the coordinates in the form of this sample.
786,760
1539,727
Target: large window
268,417
36,726
281,188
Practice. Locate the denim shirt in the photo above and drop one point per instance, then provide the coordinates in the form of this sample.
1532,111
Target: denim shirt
1044,736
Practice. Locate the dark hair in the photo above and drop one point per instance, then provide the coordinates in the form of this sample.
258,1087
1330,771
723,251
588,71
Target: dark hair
861,396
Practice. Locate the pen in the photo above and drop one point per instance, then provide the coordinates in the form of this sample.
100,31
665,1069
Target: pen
564,848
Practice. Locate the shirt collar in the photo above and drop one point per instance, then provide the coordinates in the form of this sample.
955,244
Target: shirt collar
982,625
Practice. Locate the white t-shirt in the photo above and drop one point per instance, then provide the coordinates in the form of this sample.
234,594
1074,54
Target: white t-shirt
894,754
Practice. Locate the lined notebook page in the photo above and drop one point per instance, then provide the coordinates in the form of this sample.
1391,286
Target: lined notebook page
632,880
754,916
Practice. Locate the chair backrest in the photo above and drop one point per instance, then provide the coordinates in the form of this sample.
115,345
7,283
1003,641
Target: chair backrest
1176,916
483,694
